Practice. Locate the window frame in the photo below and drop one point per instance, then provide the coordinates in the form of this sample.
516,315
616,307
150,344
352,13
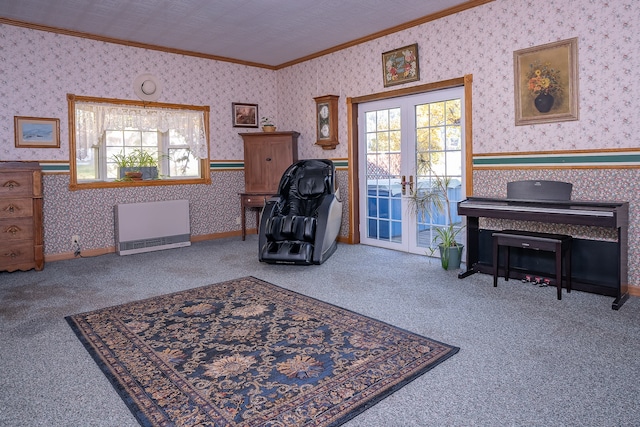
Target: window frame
205,176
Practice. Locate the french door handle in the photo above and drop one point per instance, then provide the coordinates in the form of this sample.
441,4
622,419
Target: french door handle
404,185
410,184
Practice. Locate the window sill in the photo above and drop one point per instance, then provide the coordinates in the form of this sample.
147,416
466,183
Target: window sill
144,183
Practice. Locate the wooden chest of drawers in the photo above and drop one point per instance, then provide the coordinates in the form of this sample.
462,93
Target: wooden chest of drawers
21,233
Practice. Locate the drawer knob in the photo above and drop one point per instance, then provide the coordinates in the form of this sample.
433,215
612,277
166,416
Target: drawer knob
11,209
13,230
11,184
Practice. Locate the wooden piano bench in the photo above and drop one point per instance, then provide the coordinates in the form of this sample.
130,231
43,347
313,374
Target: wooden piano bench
560,244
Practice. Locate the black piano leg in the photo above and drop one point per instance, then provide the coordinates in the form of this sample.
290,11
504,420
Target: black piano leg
617,303
467,273
472,247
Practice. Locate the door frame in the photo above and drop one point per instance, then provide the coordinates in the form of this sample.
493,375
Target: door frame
352,134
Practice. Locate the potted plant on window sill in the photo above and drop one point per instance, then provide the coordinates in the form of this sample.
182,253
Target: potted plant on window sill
137,165
267,125
435,199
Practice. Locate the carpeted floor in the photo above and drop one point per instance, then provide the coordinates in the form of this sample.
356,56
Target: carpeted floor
527,359
247,353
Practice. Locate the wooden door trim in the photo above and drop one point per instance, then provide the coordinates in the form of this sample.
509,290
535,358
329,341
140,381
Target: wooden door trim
352,139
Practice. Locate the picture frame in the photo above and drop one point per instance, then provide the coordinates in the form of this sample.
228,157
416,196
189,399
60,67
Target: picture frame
546,83
401,65
244,115
37,132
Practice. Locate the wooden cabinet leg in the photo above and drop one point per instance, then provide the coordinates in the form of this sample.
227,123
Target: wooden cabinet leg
243,221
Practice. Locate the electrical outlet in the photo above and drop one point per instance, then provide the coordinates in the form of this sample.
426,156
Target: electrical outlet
75,239
238,220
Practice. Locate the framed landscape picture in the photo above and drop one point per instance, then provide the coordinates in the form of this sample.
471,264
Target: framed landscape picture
34,132
244,115
400,65
546,83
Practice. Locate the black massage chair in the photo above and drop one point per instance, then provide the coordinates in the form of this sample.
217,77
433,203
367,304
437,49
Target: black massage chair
301,223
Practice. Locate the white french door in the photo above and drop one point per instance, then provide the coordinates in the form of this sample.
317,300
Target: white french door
407,143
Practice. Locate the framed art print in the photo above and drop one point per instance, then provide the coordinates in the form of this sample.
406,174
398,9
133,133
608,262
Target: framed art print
546,83
35,132
400,66
244,115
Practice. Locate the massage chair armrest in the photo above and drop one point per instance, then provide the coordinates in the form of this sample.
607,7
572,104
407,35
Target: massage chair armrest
329,220
273,205
271,208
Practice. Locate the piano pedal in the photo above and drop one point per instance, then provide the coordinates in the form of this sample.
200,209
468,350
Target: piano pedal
543,282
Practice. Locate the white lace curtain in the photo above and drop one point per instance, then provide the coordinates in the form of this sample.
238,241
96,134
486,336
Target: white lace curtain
92,120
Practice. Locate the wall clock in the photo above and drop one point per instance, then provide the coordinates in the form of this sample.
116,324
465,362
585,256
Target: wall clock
327,121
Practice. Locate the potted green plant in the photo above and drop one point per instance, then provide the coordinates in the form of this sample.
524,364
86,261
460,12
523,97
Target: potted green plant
434,198
136,165
267,125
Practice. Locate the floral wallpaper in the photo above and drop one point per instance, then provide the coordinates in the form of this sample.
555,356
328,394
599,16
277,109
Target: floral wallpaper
481,42
38,69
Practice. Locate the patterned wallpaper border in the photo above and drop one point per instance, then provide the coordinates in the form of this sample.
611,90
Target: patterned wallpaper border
214,165
592,159
583,159
341,164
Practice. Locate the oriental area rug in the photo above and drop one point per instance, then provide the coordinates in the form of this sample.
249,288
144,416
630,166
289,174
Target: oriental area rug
249,353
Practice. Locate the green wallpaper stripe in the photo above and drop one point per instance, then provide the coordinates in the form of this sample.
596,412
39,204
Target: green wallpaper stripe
581,159
340,163
54,167
578,159
226,165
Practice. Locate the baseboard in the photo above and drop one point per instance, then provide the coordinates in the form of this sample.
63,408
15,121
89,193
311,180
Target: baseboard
213,236
83,254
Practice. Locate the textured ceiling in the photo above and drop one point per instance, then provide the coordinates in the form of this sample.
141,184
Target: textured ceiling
269,32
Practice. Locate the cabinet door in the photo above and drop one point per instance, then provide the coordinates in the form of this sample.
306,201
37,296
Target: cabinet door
281,159
256,154
265,162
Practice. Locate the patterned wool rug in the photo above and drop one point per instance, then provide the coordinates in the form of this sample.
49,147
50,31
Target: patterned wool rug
249,353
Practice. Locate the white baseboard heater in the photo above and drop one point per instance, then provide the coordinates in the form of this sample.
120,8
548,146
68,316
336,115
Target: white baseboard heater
151,226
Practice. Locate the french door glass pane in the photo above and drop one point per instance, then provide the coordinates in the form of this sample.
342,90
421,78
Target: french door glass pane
438,159
419,138
384,211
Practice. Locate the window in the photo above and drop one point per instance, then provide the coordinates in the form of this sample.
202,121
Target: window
109,137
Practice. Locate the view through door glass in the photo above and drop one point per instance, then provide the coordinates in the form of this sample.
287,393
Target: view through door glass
410,144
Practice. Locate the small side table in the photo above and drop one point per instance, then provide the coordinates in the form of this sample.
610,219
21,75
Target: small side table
252,200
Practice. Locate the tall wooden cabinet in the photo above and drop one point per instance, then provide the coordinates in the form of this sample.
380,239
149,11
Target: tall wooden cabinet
266,156
21,230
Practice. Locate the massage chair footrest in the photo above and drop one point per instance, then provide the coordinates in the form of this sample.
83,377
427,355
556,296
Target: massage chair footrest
288,252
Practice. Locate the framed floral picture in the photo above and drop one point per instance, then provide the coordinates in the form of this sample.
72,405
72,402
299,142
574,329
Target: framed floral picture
36,132
400,65
244,115
546,83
